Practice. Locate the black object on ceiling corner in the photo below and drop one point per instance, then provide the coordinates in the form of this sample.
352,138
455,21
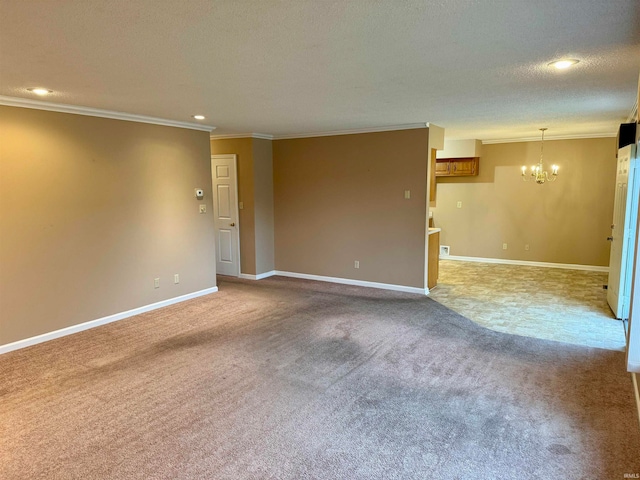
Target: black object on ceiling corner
626,134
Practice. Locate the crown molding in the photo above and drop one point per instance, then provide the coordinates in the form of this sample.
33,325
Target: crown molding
263,136
354,131
406,126
633,115
557,137
223,136
94,112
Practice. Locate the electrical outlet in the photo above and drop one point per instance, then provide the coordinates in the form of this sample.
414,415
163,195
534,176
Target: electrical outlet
156,283
407,194
356,264
459,204
176,278
444,249
526,247
504,246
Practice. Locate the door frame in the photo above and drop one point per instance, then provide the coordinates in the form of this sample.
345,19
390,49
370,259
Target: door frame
631,217
624,234
234,157
633,326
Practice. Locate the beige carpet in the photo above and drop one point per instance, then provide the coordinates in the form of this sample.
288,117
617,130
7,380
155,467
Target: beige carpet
294,379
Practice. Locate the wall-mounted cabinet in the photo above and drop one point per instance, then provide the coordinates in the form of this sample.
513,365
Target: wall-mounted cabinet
457,167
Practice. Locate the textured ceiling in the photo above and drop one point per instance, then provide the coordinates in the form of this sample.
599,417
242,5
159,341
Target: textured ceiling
477,68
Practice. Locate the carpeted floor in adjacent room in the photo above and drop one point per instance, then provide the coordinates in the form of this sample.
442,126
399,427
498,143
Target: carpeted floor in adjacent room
292,379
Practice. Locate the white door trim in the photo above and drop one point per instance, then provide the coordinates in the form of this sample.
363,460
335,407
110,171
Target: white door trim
623,233
630,230
234,158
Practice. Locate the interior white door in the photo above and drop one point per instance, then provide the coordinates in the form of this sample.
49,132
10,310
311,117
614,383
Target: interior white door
225,211
623,228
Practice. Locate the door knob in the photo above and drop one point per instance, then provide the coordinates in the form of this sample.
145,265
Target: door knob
232,224
610,239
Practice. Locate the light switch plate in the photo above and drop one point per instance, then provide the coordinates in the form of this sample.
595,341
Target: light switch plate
203,208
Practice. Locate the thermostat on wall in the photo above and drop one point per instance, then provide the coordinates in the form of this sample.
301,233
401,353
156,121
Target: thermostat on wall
199,193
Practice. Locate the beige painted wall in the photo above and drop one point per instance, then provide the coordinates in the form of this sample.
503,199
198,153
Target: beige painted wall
341,198
243,148
91,211
264,227
567,221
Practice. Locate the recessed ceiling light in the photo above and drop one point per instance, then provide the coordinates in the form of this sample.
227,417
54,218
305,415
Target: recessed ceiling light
199,117
40,91
565,63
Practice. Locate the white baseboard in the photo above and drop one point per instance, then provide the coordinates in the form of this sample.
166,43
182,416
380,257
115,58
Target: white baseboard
344,281
358,283
260,276
45,337
566,266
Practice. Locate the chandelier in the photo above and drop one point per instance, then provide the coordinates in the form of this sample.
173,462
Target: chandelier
537,172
